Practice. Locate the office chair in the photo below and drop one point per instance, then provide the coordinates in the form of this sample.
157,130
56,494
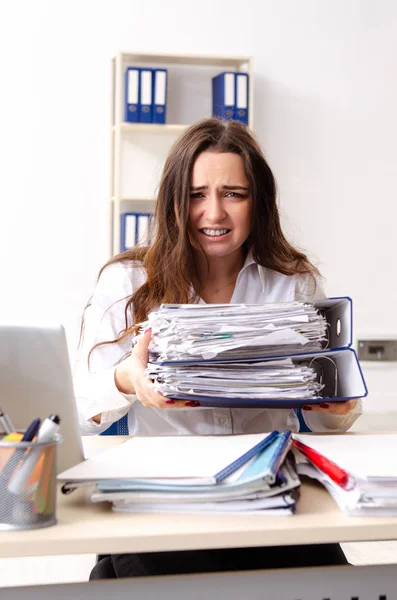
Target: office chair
119,427
303,428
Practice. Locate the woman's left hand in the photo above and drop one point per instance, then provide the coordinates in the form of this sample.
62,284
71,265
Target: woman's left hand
333,408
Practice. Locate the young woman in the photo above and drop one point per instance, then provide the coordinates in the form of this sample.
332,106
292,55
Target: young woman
218,240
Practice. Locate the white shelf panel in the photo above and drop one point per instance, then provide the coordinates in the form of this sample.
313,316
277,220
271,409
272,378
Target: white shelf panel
152,128
186,59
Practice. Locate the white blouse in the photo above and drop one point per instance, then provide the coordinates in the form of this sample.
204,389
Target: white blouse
96,391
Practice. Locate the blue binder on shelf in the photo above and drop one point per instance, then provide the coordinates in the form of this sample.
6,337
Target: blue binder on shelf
131,95
223,95
160,79
135,230
241,98
145,95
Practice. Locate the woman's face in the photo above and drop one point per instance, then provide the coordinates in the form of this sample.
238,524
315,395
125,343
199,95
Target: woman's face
220,203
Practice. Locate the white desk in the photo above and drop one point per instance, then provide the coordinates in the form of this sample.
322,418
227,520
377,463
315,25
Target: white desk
92,528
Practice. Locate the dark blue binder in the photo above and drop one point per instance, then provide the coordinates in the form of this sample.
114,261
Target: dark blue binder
145,95
241,98
223,95
131,95
160,77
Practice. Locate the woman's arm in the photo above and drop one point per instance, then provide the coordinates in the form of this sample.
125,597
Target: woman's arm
97,394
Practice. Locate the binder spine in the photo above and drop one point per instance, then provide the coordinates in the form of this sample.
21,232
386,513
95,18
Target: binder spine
160,78
241,98
146,107
131,104
223,96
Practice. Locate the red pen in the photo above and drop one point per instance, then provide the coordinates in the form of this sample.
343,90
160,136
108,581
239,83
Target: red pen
338,475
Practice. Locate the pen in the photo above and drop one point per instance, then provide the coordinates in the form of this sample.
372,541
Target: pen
334,472
31,431
6,422
18,437
46,432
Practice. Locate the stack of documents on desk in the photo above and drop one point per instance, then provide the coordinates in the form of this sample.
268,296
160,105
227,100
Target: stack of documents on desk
186,332
193,474
370,464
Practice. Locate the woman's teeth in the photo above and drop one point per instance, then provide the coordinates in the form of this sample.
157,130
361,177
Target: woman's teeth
215,232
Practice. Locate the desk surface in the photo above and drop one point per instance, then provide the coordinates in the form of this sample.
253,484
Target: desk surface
93,528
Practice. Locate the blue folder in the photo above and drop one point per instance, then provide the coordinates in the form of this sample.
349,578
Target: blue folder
131,95
145,95
241,98
223,95
160,77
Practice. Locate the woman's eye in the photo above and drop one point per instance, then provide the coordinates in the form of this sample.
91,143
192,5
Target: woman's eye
196,195
235,195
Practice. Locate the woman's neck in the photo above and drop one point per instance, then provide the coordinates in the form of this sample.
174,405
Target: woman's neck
219,277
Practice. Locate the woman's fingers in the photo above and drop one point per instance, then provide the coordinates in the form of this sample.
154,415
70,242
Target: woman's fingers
141,348
332,408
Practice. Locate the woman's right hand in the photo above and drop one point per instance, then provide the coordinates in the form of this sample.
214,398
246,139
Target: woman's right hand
131,378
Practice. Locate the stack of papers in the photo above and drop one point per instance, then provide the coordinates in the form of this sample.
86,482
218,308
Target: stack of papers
276,379
194,474
214,351
198,332
370,462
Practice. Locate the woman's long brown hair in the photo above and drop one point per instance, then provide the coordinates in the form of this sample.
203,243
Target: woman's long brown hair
172,276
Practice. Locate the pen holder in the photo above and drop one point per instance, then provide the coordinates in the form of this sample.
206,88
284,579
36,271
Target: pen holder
28,484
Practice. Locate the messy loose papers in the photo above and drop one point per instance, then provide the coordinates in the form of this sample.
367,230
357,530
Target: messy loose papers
194,349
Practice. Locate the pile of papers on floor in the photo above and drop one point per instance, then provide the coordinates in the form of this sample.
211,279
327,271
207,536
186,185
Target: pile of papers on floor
247,474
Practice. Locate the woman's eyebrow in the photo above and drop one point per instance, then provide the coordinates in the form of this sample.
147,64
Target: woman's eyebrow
224,187
234,187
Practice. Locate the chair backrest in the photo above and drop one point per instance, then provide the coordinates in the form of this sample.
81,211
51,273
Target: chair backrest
119,427
303,428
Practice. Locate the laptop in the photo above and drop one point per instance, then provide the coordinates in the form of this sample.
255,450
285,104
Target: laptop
36,381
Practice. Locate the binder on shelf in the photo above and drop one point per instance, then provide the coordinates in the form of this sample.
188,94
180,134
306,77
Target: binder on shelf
128,231
160,78
135,230
241,98
146,99
223,95
131,95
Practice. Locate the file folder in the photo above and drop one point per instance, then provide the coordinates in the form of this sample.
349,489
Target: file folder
131,95
341,374
223,95
338,313
160,77
134,230
143,229
128,231
241,98
145,100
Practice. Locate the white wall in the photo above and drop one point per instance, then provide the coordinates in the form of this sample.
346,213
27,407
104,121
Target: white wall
325,112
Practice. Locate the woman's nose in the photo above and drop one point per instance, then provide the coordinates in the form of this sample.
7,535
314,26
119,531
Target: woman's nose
214,210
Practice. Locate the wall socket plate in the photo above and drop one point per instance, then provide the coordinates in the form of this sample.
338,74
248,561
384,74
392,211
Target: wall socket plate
377,350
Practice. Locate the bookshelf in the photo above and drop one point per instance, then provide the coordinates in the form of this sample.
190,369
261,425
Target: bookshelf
138,150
